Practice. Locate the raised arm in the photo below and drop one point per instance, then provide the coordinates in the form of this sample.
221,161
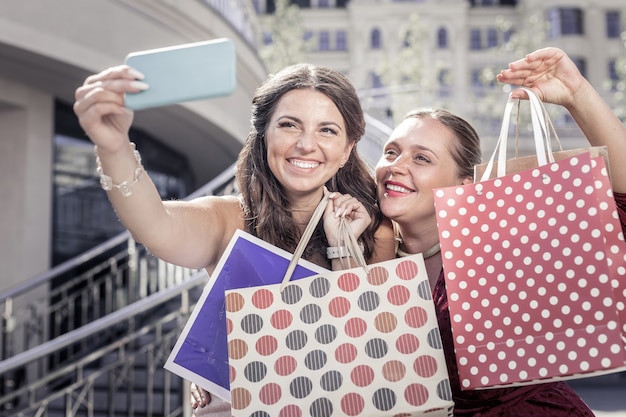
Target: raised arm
190,234
554,77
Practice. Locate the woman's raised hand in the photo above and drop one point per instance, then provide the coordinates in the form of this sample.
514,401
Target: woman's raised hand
344,205
549,73
554,77
100,106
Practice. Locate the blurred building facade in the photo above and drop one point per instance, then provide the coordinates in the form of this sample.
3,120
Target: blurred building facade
458,38
457,46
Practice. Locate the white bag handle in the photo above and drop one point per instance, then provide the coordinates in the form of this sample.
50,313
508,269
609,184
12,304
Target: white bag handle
304,239
543,147
345,233
350,242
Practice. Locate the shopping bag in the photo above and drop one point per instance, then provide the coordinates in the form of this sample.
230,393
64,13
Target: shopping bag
200,354
535,269
544,132
357,342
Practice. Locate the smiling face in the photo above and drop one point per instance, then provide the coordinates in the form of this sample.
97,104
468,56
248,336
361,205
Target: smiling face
306,142
416,159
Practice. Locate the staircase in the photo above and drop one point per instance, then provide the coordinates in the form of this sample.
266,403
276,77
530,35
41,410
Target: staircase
90,337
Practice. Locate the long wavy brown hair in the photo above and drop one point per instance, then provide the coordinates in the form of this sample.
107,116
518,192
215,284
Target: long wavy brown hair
267,212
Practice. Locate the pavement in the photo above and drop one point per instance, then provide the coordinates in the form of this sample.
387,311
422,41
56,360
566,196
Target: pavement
605,402
605,395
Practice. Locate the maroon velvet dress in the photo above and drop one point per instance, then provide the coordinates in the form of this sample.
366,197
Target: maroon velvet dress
548,399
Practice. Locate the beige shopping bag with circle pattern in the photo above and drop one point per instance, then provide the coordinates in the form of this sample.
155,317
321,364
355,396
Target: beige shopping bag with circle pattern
357,342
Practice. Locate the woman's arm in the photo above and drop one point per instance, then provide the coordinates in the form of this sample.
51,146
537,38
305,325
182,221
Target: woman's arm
554,77
190,234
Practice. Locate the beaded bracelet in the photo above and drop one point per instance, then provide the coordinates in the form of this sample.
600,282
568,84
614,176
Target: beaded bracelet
106,182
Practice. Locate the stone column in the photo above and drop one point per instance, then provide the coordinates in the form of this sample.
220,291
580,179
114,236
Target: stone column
26,146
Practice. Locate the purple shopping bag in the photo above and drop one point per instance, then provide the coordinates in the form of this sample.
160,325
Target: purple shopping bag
200,354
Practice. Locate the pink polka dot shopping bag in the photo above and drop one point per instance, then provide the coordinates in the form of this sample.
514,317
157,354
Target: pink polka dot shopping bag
357,342
535,267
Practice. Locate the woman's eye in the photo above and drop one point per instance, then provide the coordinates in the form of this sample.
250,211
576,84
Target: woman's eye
329,130
422,158
286,124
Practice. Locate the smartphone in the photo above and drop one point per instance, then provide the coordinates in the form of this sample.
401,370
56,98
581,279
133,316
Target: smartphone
187,72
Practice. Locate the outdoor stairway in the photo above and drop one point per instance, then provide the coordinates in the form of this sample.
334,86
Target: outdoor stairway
90,337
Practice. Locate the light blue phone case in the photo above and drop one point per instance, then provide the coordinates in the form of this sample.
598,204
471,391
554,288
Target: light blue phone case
176,74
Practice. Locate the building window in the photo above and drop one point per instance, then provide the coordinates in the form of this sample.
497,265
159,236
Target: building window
444,79
267,38
613,75
376,39
477,83
375,80
303,4
565,21
323,4
581,64
308,35
480,86
442,38
324,40
408,36
475,39
493,2
342,41
492,38
613,26
506,35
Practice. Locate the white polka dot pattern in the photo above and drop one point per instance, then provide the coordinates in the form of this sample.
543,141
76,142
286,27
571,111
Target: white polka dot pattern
535,268
340,343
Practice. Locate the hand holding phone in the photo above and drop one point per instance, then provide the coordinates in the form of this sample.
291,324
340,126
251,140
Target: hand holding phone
187,72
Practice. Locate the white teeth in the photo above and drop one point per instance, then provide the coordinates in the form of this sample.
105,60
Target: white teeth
301,164
397,188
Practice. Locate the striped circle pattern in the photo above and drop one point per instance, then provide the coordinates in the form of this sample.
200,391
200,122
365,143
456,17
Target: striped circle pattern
341,343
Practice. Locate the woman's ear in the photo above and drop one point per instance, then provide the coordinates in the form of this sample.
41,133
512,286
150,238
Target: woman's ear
467,180
346,154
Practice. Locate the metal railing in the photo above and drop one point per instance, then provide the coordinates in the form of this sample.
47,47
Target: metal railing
122,374
42,315
98,328
90,286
